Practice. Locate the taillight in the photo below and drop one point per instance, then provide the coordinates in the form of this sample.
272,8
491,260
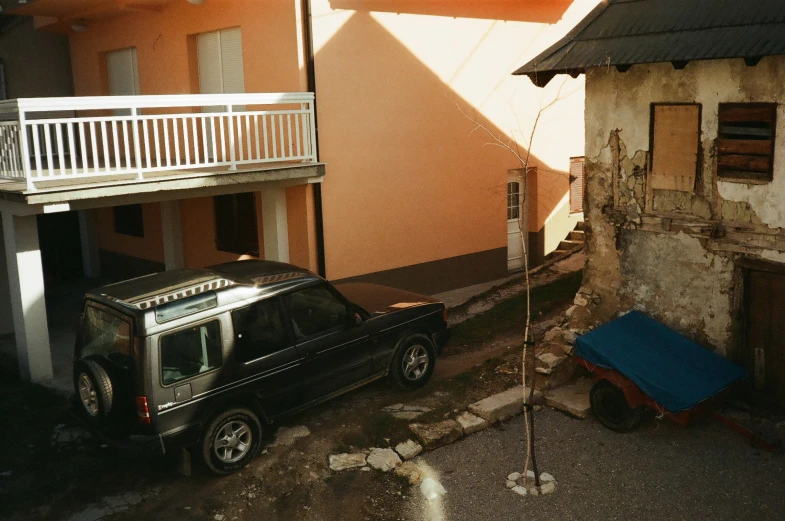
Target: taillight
444,315
142,410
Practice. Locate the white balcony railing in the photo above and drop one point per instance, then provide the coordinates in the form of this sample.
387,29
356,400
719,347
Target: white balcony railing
95,138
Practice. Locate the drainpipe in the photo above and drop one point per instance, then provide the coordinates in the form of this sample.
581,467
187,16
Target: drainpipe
317,187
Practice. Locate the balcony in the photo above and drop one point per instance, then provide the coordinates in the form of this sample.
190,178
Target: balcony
65,142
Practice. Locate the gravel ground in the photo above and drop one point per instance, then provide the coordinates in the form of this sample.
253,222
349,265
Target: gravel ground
660,471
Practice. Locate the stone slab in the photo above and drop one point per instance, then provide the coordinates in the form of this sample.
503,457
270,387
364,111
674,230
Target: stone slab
411,472
433,435
408,449
384,459
504,405
572,398
346,461
471,423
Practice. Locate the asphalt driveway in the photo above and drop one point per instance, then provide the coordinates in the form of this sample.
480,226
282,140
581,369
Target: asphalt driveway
660,471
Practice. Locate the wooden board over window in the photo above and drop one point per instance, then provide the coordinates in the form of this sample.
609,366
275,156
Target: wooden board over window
745,143
675,146
577,176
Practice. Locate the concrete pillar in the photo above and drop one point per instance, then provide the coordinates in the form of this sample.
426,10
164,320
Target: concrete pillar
172,224
88,234
26,282
6,315
275,225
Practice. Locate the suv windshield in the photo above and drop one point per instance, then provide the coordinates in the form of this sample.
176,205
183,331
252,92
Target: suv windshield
106,334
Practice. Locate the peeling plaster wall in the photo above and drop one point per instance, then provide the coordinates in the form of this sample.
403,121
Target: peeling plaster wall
674,256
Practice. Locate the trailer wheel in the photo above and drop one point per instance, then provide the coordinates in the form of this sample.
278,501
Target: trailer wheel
610,407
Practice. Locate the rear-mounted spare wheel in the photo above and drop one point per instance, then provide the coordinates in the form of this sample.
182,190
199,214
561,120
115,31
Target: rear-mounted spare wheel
93,388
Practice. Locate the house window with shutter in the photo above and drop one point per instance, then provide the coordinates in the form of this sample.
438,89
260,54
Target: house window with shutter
675,146
745,141
577,173
235,224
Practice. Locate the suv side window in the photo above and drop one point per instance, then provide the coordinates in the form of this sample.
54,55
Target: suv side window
315,311
258,330
190,352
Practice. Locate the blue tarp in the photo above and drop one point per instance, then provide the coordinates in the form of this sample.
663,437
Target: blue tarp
673,370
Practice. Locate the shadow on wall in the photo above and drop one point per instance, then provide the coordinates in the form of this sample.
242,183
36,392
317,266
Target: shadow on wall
536,12
437,191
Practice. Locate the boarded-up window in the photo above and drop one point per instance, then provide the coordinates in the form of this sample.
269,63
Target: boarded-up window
745,142
577,173
675,145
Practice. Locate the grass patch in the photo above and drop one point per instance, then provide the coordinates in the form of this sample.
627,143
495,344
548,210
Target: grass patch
507,316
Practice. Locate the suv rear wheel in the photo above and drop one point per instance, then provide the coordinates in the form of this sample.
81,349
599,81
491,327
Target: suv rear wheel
231,441
93,388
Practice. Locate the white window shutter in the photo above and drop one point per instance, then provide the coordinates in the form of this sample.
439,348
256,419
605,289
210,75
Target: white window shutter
232,61
123,72
208,48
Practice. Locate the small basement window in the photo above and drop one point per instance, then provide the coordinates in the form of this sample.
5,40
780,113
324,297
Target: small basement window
235,224
745,143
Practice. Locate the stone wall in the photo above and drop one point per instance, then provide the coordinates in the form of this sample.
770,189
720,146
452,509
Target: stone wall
676,258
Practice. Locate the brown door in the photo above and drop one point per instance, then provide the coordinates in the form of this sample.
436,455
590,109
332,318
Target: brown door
764,351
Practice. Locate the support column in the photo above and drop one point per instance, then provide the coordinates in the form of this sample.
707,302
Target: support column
6,314
26,282
88,234
172,224
275,225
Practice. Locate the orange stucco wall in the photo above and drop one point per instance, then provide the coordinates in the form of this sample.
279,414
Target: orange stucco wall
150,247
400,93
270,45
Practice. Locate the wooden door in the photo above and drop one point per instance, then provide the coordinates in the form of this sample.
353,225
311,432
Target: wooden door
764,349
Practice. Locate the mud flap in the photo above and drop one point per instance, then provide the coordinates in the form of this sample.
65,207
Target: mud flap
184,462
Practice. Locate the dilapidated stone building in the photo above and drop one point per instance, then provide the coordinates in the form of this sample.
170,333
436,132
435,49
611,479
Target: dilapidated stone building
685,170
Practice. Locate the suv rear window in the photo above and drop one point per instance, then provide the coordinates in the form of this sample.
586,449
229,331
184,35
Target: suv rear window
106,334
190,352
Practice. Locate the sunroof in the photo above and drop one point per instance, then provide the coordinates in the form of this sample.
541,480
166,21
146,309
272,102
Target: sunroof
186,306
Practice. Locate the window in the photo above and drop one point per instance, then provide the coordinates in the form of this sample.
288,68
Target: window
235,224
186,306
675,143
513,200
745,142
220,57
106,334
190,352
128,220
258,330
316,310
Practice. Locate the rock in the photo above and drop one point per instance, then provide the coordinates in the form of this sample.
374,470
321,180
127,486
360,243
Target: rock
569,337
406,412
515,476
365,469
552,335
572,398
63,434
433,435
286,436
580,300
570,311
6,474
530,474
346,461
548,488
408,449
219,517
471,423
411,472
511,484
550,360
546,478
504,405
384,459
737,415
520,490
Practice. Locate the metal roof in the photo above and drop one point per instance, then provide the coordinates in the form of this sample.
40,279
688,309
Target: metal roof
627,32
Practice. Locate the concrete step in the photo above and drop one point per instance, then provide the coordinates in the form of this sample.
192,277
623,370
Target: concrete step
568,245
580,226
572,398
556,253
577,235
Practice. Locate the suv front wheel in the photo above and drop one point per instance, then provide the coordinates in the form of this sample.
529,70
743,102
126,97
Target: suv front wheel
232,439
